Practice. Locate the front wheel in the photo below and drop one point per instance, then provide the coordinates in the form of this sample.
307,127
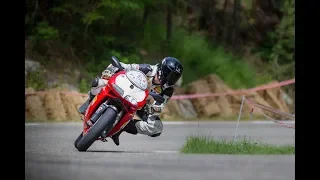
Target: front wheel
78,139
104,123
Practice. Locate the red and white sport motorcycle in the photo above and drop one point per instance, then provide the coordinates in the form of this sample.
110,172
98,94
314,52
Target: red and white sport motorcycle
114,107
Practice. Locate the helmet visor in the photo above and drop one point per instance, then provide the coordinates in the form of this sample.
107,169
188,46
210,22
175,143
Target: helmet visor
172,78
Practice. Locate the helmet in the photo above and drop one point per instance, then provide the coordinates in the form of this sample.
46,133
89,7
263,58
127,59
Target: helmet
169,71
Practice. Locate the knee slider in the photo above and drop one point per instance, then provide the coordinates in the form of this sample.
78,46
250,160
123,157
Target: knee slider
95,82
155,135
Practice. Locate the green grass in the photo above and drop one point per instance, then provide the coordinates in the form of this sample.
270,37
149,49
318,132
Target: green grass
204,145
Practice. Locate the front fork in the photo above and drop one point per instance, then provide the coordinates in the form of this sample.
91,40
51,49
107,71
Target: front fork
104,134
95,116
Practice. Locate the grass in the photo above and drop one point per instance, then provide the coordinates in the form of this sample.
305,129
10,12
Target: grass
204,145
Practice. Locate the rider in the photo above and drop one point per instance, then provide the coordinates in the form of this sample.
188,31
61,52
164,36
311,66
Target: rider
161,80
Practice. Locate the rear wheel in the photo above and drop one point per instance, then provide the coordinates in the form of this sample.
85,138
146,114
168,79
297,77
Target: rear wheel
104,123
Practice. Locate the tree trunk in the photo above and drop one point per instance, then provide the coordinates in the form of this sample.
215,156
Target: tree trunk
169,22
145,15
234,29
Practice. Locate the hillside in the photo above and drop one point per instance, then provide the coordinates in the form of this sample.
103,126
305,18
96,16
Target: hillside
245,43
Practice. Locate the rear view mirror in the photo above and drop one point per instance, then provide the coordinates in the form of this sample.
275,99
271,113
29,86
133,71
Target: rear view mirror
116,63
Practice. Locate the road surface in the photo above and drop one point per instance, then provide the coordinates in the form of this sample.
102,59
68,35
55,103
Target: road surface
50,154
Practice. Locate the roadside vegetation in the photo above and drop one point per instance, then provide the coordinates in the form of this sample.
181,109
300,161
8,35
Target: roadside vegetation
205,145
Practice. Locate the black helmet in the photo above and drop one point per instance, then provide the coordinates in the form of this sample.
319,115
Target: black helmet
169,71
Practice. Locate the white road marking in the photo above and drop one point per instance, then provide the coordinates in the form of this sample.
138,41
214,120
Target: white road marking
55,123
175,122
32,124
166,151
271,122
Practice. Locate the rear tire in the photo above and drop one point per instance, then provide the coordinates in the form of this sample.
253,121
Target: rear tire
104,122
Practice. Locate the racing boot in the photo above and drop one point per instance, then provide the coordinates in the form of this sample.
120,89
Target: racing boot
82,109
130,128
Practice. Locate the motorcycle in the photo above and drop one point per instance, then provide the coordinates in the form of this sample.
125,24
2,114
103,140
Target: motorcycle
115,105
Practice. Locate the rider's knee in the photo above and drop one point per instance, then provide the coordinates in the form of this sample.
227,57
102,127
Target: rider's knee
152,127
154,118
157,126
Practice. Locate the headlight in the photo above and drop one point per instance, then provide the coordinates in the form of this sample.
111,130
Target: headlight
131,99
118,89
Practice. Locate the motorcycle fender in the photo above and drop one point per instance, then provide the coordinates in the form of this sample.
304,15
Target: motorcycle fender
99,112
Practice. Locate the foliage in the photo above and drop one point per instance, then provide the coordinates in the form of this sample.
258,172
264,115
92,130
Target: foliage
90,32
283,50
43,31
201,59
278,47
35,79
83,86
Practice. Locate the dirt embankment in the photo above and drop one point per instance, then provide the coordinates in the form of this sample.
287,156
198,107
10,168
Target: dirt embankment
61,107
224,106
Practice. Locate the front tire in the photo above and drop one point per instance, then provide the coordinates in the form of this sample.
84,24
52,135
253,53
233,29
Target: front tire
78,139
104,123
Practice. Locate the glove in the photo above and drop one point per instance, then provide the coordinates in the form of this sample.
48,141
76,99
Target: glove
106,74
156,108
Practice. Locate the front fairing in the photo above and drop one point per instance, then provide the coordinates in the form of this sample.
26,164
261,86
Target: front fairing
131,86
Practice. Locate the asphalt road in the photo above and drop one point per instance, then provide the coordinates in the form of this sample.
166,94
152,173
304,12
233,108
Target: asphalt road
50,154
